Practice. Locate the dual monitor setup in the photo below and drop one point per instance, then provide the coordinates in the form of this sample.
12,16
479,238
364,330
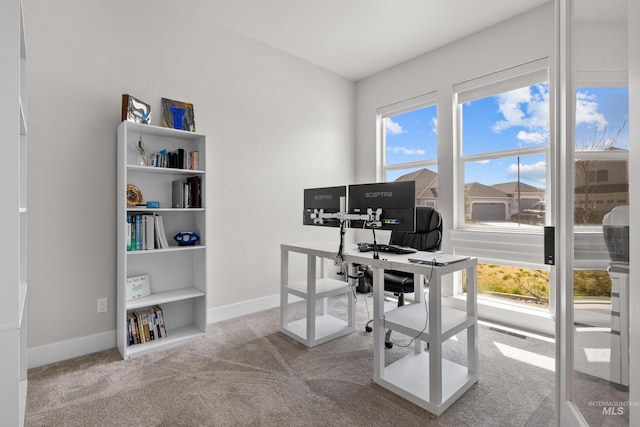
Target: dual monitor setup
384,206
377,206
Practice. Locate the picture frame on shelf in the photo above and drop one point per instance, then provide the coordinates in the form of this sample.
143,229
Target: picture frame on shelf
135,110
138,286
177,115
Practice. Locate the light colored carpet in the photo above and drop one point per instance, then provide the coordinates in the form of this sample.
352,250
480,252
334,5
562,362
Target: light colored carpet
246,373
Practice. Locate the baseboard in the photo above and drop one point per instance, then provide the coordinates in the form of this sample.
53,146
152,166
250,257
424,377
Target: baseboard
63,350
218,314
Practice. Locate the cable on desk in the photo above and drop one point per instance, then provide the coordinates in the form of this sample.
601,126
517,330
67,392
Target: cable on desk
426,310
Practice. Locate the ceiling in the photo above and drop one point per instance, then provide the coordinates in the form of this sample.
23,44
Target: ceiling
359,38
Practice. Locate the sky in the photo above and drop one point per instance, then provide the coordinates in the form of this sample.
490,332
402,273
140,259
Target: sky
507,121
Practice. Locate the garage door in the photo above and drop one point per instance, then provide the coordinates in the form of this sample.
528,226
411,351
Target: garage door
488,211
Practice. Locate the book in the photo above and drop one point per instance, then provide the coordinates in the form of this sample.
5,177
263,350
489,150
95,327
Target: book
160,316
137,320
127,236
138,232
145,325
193,160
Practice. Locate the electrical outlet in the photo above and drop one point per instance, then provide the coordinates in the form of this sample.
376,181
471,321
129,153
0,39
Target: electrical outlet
103,305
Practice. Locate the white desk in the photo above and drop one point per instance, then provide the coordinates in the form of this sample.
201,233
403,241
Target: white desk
422,377
315,328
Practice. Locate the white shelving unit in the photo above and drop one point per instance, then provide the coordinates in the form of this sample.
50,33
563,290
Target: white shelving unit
317,326
178,273
13,214
425,377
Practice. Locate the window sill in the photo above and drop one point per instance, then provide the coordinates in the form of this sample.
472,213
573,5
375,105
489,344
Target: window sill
517,316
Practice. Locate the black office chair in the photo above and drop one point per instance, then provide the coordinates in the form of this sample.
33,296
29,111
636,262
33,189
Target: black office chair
427,237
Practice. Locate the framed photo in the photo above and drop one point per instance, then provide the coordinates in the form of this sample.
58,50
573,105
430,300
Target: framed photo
135,110
178,115
138,286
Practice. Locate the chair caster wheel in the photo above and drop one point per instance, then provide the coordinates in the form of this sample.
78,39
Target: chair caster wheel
368,329
388,344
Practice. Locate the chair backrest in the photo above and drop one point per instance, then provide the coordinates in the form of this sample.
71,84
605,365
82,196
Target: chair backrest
428,234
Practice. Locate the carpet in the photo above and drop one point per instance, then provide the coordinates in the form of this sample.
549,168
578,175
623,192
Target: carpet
246,373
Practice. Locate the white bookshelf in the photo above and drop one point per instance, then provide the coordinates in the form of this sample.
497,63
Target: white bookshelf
13,214
178,273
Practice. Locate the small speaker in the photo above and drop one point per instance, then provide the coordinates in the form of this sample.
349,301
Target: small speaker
549,245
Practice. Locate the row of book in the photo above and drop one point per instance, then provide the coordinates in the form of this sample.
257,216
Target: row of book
145,232
186,193
144,325
178,159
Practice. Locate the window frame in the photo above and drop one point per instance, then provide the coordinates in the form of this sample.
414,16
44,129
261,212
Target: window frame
412,104
527,74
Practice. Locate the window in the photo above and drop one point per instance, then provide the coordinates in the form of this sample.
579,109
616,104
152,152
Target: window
503,136
409,146
602,152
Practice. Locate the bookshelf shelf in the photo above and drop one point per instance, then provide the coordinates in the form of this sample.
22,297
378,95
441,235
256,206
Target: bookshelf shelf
177,273
153,169
169,249
13,214
174,337
164,297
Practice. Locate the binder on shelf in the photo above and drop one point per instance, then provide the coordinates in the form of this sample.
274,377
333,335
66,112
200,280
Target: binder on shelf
161,237
186,193
149,229
177,194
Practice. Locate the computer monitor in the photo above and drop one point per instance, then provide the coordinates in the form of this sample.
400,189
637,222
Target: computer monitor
396,199
326,199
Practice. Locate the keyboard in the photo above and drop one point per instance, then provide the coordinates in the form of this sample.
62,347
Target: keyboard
393,249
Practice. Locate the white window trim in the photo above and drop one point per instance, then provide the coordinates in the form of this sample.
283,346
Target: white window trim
418,102
527,74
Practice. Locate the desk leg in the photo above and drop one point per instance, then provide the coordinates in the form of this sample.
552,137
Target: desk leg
351,309
311,300
418,297
435,340
378,324
284,282
325,300
472,332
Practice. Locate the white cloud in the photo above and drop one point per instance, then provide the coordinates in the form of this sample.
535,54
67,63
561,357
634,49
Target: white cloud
434,123
533,137
393,128
526,107
587,111
535,172
407,151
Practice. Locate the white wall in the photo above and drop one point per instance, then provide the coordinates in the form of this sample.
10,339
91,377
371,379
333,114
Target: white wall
275,125
519,40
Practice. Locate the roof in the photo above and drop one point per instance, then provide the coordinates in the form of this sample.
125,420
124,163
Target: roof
426,182
477,190
512,187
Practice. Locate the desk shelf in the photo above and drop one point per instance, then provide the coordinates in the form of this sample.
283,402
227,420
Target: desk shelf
410,320
317,326
325,287
408,378
328,327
